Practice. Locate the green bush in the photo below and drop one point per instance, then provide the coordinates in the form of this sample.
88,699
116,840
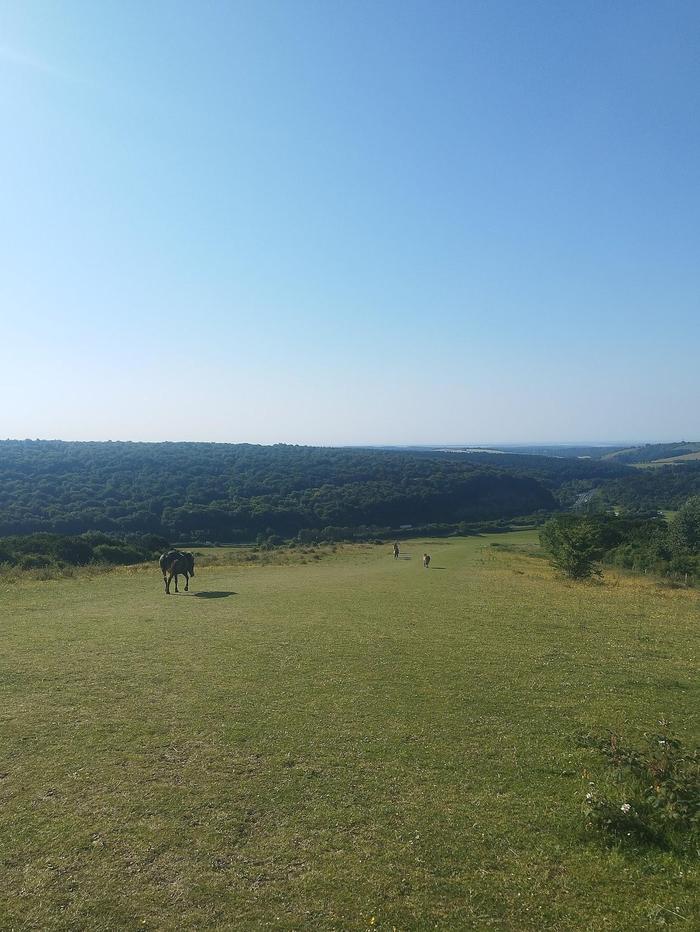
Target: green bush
34,561
653,796
574,545
35,551
74,551
118,555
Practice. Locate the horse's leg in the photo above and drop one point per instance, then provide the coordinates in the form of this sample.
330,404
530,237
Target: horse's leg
187,582
167,582
176,589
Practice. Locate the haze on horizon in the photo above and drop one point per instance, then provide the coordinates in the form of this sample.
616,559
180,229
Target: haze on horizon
386,223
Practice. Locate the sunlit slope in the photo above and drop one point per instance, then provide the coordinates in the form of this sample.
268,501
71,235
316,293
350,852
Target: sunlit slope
652,454
672,460
350,743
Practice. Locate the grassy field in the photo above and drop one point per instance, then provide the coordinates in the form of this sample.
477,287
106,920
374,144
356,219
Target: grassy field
684,458
347,743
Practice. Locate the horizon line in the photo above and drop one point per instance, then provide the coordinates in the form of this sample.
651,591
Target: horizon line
481,445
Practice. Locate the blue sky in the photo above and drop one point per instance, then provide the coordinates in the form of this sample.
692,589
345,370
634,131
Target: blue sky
359,222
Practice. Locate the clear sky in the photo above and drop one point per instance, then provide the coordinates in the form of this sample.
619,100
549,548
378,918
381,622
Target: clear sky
356,222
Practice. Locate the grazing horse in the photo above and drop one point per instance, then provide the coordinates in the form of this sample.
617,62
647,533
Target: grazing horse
426,560
176,563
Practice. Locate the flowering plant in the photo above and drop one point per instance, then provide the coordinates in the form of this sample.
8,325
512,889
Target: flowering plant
652,794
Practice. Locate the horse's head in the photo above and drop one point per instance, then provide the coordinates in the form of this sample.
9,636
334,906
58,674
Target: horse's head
189,557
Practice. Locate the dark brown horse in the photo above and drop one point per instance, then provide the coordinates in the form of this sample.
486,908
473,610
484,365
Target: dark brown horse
177,563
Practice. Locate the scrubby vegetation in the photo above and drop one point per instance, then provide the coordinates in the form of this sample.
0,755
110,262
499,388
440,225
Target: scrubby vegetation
36,551
578,544
650,795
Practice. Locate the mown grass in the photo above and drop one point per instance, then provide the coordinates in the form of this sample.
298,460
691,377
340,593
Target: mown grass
347,743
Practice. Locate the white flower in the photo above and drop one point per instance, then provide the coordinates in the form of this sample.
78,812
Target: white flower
589,796
625,807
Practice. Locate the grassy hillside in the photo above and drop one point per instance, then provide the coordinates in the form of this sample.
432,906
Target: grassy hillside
655,453
349,743
673,460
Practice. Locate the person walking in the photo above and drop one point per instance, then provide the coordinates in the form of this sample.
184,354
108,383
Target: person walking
396,550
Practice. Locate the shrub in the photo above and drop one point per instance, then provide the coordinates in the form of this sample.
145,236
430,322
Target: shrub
75,551
118,555
655,793
574,546
34,561
151,543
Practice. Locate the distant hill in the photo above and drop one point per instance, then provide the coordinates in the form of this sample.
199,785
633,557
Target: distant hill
229,492
243,492
677,460
570,451
657,453
641,454
575,451
653,488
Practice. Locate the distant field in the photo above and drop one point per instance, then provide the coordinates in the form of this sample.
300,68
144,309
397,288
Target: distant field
347,743
669,461
658,454
685,458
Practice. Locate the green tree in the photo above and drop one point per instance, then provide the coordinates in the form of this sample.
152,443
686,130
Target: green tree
74,551
684,528
684,538
118,554
574,545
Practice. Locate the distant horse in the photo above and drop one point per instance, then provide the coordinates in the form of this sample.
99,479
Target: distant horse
426,560
176,563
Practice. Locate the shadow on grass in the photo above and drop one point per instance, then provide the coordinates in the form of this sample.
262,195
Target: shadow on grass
212,594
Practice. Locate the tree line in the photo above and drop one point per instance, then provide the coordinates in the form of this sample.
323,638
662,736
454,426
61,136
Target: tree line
236,492
36,551
244,492
656,487
579,545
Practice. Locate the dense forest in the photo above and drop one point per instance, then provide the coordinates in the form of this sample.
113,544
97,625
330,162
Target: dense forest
230,492
242,492
566,477
614,483
653,488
